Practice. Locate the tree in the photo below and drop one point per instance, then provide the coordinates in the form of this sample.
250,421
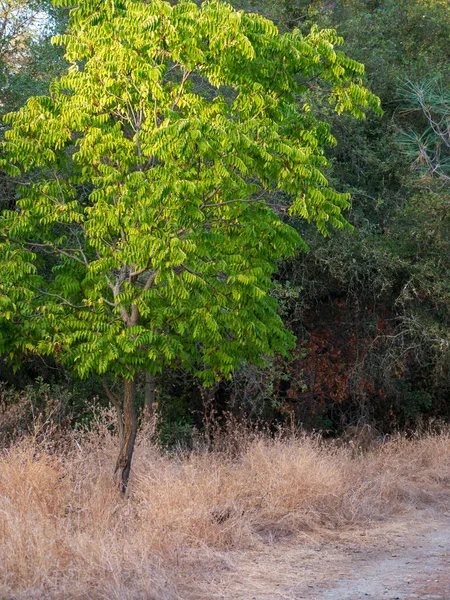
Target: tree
27,61
429,149
159,171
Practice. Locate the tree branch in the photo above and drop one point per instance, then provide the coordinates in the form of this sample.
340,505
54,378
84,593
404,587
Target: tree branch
64,300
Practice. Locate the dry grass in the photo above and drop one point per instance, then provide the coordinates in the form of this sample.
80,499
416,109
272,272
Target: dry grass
66,533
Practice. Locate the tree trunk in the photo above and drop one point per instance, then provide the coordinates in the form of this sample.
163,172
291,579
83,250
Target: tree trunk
150,383
123,465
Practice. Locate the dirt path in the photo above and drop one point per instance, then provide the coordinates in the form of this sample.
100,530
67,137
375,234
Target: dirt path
406,559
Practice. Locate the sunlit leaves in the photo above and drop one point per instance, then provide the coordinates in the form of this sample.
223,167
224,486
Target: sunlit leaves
154,166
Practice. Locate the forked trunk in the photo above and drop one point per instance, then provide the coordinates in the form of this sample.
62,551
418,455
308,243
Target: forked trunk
123,465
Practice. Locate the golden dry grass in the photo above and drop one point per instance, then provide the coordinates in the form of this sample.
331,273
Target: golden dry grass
66,533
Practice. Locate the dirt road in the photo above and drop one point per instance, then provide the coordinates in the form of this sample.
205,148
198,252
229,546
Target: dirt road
405,559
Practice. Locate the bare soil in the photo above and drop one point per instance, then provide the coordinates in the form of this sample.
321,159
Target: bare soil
404,559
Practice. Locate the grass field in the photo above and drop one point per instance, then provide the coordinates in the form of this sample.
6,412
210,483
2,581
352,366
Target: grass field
65,532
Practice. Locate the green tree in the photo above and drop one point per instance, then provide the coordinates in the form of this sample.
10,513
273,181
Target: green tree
159,169
429,148
28,62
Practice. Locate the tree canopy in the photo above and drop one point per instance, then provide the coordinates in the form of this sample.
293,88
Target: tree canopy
151,164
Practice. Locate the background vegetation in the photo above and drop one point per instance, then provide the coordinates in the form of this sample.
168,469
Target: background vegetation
370,308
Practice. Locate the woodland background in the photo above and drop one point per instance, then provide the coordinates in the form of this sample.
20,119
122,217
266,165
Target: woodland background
370,308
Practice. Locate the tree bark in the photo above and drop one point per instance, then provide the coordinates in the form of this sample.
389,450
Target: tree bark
150,383
123,465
